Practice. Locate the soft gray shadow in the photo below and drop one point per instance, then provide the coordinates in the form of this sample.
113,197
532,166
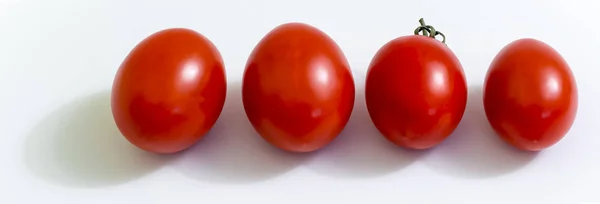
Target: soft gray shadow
474,150
79,145
360,151
232,152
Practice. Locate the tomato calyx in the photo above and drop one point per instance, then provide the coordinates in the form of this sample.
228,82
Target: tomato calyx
429,31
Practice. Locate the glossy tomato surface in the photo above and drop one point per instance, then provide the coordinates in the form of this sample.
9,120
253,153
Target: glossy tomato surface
415,91
298,90
530,95
169,91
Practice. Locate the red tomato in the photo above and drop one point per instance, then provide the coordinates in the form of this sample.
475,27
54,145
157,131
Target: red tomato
530,95
298,91
415,91
169,91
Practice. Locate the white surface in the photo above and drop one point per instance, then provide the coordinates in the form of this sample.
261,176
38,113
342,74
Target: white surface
59,144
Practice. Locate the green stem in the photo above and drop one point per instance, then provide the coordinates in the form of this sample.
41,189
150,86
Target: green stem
429,31
422,22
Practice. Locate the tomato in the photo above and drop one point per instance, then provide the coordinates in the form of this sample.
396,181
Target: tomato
415,90
297,89
169,91
530,95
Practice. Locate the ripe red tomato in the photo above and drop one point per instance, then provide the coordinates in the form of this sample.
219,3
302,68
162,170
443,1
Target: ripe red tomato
530,95
415,91
298,91
169,91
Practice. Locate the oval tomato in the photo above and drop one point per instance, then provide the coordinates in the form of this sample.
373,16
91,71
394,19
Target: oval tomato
530,95
298,91
415,90
169,91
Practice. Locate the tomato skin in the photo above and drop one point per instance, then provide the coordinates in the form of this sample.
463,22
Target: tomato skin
169,91
415,91
530,95
298,90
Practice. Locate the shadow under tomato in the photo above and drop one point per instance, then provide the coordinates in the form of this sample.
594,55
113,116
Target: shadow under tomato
360,151
474,150
79,145
232,152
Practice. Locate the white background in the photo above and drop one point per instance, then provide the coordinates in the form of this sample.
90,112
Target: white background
59,143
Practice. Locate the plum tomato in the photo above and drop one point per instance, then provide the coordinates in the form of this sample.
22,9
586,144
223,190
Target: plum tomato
530,95
169,91
298,90
415,90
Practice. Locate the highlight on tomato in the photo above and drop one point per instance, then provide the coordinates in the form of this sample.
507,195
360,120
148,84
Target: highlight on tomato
297,89
415,90
169,91
530,95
